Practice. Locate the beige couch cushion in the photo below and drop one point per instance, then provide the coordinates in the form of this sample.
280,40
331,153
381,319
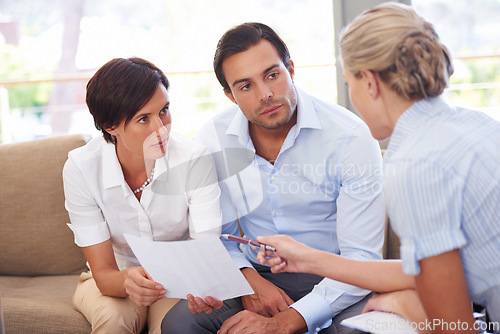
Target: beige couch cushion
34,238
41,305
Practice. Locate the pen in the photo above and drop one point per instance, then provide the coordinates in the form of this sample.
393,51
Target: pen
248,242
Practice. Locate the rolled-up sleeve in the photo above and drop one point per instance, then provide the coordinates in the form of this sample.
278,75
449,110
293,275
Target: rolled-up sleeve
87,222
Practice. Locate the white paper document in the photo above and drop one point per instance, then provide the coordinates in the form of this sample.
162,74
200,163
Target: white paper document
380,323
200,267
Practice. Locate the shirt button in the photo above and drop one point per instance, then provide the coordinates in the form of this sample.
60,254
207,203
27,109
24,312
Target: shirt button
276,213
273,177
318,329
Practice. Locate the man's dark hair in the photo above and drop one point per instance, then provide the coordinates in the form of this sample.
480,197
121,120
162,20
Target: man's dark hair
241,38
119,89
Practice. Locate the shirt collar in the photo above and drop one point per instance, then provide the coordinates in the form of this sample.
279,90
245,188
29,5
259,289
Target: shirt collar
239,128
112,174
413,118
306,118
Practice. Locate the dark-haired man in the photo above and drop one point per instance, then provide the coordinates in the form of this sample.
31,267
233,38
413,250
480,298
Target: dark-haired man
288,164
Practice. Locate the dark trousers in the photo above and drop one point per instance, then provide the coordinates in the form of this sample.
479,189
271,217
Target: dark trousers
179,319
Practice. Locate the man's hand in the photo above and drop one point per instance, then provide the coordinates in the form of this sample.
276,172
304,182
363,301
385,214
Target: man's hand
141,288
289,321
198,305
268,300
249,322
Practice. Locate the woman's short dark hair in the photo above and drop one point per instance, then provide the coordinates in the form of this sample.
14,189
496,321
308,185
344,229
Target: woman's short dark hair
241,38
119,89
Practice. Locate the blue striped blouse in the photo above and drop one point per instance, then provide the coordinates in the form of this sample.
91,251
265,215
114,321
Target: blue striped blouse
442,184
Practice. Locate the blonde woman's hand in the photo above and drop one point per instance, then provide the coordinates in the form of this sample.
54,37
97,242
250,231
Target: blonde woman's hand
290,255
406,303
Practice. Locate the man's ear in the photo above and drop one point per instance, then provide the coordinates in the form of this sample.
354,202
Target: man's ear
291,68
230,96
372,83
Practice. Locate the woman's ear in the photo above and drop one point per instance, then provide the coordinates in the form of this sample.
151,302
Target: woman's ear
111,130
372,83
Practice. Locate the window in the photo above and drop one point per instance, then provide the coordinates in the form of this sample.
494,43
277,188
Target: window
45,73
50,48
470,30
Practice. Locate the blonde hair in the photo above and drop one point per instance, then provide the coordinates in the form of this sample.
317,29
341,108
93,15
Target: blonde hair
394,41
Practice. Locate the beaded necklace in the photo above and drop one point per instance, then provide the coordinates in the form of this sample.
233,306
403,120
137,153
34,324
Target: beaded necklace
149,179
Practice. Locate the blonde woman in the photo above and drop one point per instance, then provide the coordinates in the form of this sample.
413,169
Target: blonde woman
442,178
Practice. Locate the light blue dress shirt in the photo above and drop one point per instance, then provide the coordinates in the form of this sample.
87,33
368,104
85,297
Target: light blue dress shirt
324,190
442,184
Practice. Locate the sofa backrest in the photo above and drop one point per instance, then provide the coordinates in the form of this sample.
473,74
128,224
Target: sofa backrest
34,237
391,242
391,239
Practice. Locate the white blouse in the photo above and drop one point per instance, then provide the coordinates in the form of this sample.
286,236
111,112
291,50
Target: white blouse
182,201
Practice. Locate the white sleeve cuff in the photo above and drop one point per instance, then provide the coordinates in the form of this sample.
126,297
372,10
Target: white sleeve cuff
90,235
313,308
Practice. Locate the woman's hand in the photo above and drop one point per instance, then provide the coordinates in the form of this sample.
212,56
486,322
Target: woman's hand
406,303
198,305
290,256
141,288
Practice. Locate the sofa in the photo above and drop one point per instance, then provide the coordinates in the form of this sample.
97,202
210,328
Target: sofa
39,262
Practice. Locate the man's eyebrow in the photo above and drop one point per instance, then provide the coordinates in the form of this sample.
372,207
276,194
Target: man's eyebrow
263,72
239,81
270,68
